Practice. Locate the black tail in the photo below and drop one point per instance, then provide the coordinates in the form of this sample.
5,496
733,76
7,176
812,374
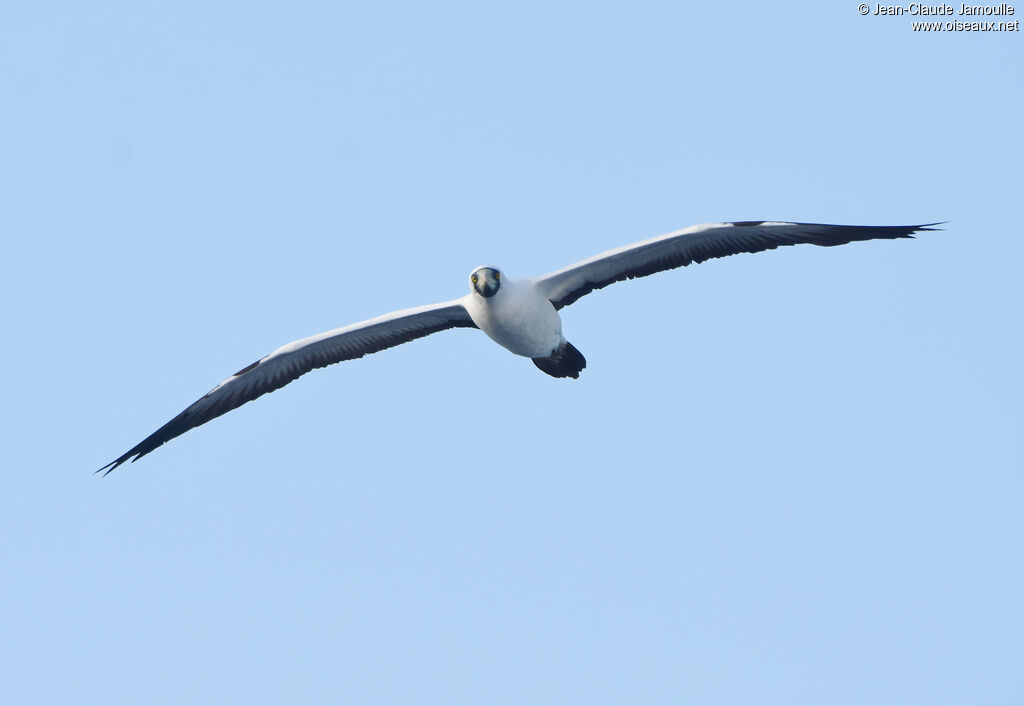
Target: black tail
565,362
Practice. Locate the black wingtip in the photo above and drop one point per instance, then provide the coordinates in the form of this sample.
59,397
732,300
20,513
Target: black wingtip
106,470
828,235
928,226
924,227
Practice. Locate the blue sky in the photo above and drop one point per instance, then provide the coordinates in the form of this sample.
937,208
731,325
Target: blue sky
785,478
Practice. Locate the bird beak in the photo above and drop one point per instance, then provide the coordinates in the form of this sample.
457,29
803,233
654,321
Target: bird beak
486,287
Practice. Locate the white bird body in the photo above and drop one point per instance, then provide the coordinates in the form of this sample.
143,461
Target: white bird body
518,317
521,315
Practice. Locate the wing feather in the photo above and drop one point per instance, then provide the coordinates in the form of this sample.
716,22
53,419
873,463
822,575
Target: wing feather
700,243
299,357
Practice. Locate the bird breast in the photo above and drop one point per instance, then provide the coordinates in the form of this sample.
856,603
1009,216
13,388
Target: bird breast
518,317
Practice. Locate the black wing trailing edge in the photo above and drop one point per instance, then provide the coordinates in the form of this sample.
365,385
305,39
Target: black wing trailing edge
700,243
296,359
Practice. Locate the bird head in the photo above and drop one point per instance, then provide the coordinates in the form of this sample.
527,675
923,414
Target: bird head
485,281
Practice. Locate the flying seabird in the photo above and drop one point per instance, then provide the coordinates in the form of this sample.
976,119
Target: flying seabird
520,314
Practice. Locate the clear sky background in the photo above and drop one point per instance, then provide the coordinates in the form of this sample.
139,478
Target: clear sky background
785,478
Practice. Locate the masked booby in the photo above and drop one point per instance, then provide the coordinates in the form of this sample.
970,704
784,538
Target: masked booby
520,314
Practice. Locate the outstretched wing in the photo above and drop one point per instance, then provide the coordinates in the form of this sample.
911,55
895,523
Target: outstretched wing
697,244
298,358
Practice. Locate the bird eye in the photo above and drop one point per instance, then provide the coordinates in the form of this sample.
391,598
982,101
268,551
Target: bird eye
497,275
474,279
